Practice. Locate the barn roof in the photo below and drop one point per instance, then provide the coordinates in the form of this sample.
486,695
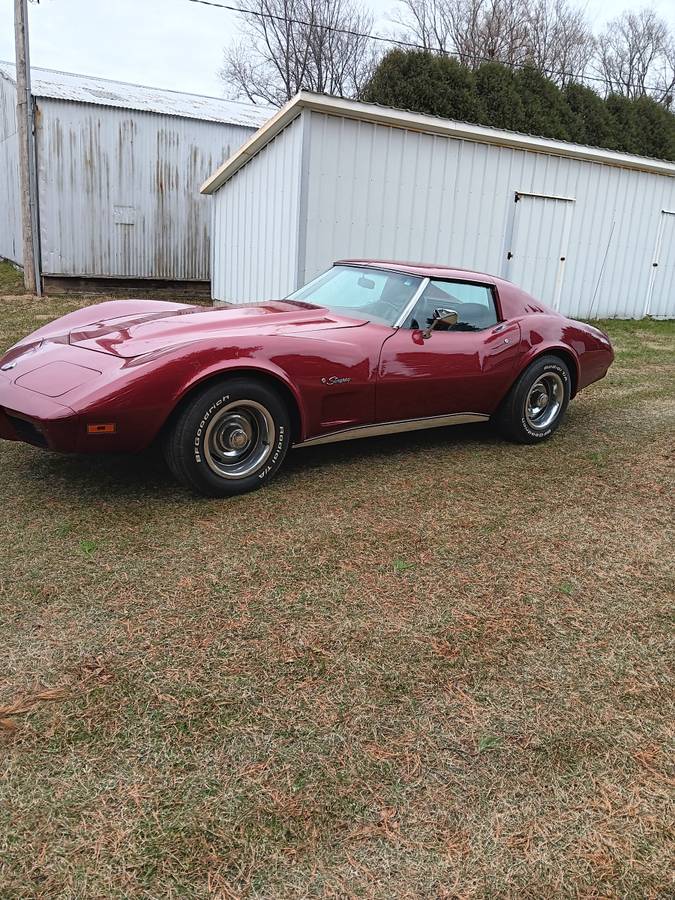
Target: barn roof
50,83
426,124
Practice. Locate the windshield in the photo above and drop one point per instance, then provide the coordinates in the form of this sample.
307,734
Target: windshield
372,294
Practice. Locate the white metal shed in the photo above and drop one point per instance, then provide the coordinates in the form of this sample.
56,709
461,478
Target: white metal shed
589,231
119,170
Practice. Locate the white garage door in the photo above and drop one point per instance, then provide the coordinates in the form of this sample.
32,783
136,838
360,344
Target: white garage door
661,293
538,246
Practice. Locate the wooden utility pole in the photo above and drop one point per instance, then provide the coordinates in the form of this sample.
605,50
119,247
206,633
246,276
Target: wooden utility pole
27,173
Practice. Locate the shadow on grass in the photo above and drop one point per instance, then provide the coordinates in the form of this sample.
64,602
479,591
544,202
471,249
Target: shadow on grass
146,476
434,440
142,476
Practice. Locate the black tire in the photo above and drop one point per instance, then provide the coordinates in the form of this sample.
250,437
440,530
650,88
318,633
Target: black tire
229,438
517,418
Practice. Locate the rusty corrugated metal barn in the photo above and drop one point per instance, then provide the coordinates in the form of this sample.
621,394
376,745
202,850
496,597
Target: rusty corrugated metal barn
119,168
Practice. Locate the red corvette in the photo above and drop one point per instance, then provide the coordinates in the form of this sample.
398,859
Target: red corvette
366,348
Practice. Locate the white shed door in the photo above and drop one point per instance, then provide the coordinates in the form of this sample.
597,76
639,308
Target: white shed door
661,293
538,245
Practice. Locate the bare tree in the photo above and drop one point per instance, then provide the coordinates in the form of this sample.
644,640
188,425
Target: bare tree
290,45
492,30
560,41
426,23
550,34
636,56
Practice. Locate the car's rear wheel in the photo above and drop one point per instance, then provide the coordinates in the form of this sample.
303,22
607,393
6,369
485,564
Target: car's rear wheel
229,438
536,404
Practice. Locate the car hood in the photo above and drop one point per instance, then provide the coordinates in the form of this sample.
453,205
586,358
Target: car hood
148,332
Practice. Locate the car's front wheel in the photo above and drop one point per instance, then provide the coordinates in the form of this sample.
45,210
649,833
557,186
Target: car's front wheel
536,404
229,438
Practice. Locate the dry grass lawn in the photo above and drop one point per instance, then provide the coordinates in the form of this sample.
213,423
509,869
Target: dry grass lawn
431,666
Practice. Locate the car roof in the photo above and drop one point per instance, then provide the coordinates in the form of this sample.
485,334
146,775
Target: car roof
514,301
425,270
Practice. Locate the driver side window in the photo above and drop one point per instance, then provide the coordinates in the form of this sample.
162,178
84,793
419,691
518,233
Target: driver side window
473,303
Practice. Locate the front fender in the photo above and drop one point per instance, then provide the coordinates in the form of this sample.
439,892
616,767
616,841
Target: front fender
140,395
266,369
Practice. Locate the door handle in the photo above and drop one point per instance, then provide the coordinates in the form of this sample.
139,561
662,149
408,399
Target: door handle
509,255
498,330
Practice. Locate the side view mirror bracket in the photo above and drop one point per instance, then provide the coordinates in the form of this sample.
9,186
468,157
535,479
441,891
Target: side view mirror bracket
440,317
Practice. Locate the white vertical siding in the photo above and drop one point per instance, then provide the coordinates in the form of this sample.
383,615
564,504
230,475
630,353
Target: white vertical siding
379,191
10,209
119,190
256,223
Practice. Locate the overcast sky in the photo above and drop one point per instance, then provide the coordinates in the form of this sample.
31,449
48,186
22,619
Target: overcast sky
173,44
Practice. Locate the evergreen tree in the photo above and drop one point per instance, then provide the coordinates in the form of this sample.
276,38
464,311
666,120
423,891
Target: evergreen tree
590,121
424,82
461,96
656,128
406,81
502,106
546,112
523,100
626,127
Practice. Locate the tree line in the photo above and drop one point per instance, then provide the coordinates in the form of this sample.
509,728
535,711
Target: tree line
634,55
525,65
522,100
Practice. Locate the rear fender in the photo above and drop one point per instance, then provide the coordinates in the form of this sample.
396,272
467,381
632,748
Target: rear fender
555,350
549,334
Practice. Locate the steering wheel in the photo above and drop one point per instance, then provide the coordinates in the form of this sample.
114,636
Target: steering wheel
388,305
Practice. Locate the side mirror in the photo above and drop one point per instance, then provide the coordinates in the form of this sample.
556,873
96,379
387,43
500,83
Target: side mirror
441,316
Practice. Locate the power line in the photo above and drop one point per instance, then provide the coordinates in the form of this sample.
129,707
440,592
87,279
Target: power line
348,31
412,46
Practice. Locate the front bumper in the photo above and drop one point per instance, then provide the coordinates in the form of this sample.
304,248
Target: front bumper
35,419
56,397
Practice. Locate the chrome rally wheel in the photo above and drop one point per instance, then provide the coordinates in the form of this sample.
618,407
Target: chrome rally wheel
536,404
544,401
239,439
228,438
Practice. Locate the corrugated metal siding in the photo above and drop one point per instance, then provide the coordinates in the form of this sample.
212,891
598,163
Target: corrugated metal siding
121,94
385,192
256,223
119,190
10,209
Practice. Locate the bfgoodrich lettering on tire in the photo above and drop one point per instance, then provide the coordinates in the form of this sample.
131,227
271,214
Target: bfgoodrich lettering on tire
229,438
534,407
